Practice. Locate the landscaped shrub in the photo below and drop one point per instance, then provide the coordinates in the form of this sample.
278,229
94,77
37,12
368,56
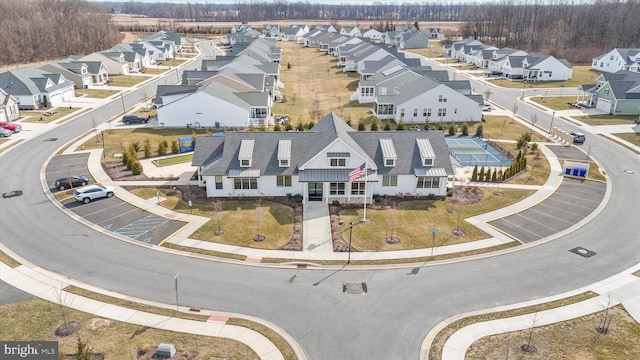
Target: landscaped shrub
452,130
289,127
136,168
481,174
479,130
311,124
335,203
474,175
361,125
375,124
387,125
465,129
145,348
125,158
135,146
147,148
401,125
162,147
300,127
175,148
277,127
487,176
494,176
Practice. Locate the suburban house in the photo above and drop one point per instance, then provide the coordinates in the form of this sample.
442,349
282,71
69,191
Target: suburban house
391,37
425,100
326,27
292,33
84,74
412,40
317,164
168,38
372,34
146,59
453,50
433,33
114,62
352,31
8,107
34,88
536,67
617,93
618,59
498,58
271,30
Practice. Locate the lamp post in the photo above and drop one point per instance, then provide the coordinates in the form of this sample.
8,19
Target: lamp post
524,86
551,126
104,154
350,233
433,238
124,109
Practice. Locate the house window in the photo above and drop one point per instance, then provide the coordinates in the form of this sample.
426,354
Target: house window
415,112
218,182
390,162
595,63
259,113
442,112
428,183
428,162
283,181
357,188
338,162
455,110
401,113
382,91
606,91
442,98
245,163
284,163
390,180
245,183
611,57
426,112
336,189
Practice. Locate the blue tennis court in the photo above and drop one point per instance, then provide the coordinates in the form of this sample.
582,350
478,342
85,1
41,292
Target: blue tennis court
471,151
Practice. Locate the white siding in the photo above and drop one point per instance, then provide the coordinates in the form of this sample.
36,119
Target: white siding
202,109
459,107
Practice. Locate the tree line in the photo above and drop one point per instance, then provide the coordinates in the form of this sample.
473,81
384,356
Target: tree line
40,30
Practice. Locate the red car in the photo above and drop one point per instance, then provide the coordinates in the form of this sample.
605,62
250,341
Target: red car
13,127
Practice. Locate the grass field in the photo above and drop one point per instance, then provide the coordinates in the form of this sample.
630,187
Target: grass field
174,160
96,93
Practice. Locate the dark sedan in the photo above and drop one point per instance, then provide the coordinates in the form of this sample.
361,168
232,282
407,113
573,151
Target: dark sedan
71,182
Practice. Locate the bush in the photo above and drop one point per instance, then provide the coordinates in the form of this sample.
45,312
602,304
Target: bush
135,146
175,148
474,175
387,125
311,124
452,130
136,168
400,125
300,127
125,158
361,126
145,348
289,127
147,148
162,147
335,203
481,174
375,124
277,127
465,129
479,130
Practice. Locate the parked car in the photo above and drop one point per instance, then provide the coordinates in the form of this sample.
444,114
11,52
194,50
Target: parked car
11,126
578,138
71,182
5,133
92,192
487,107
132,119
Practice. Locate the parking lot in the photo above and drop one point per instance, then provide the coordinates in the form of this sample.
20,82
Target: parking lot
570,203
112,214
67,165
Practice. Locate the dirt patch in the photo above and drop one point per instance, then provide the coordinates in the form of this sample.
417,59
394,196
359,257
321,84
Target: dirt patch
67,329
98,323
465,195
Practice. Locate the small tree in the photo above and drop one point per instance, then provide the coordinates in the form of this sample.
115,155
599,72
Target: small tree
125,158
474,175
481,174
289,127
452,130
494,176
136,146
387,125
300,126
361,125
479,130
83,350
487,176
277,127
311,124
147,148
136,168
400,125
162,147
175,148
375,124
465,129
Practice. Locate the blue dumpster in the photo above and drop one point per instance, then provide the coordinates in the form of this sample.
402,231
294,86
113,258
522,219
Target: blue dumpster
576,172
583,172
567,171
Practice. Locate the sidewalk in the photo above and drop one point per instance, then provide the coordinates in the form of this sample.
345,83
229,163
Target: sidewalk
622,289
49,286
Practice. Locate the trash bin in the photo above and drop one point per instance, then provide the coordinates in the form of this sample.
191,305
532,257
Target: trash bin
568,170
583,172
576,172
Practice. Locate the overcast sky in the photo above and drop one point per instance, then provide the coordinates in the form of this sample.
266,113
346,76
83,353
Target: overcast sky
357,2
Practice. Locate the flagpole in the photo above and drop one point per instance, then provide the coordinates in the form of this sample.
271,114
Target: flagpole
364,219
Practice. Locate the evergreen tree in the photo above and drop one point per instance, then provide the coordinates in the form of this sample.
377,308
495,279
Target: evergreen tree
387,125
375,124
465,129
452,130
474,175
481,174
400,125
479,130
361,125
175,148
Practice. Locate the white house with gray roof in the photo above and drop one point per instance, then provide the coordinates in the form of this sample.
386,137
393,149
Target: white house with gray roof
32,86
618,59
114,62
8,107
316,163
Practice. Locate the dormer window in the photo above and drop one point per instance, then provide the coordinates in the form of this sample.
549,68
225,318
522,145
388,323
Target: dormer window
388,152
427,155
246,152
338,159
284,152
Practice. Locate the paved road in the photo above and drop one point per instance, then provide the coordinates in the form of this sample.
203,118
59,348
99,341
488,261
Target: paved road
389,322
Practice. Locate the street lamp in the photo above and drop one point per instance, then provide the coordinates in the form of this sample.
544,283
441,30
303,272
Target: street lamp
350,233
524,86
104,154
124,109
551,126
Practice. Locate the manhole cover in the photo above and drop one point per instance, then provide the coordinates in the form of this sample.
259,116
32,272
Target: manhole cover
51,139
582,252
354,288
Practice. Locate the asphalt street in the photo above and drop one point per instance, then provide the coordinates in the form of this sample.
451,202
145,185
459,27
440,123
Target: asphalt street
388,322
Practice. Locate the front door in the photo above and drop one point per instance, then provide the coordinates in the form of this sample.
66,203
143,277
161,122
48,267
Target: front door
315,191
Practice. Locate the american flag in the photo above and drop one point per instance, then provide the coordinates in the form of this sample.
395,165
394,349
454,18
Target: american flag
358,172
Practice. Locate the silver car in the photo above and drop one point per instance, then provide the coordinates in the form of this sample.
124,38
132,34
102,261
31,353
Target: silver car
92,192
5,133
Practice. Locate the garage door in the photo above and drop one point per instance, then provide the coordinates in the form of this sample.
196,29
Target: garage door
604,105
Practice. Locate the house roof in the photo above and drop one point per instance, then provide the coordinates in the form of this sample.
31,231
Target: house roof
219,155
31,81
624,84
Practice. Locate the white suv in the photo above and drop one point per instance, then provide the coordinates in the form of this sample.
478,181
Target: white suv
92,192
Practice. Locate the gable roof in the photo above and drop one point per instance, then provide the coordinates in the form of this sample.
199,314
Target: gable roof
31,81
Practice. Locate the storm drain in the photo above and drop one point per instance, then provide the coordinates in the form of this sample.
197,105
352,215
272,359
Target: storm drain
354,288
582,252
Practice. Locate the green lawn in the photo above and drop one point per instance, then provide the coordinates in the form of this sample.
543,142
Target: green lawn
153,71
97,93
35,116
174,160
555,103
581,75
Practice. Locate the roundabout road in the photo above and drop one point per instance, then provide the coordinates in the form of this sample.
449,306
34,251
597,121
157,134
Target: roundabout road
388,322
